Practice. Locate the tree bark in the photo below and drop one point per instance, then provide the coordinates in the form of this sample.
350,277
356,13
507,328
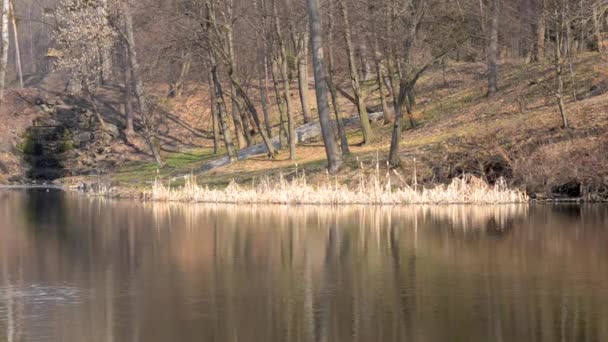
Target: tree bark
334,158
284,69
214,114
280,99
17,46
597,27
303,78
354,76
221,111
541,25
242,137
128,79
4,47
493,51
332,87
559,64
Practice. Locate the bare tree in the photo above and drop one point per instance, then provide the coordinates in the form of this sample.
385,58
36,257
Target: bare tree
4,47
334,158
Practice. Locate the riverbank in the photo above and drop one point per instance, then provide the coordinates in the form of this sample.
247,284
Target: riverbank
515,136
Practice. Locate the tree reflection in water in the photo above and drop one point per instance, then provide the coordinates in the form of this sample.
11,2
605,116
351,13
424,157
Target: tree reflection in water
160,272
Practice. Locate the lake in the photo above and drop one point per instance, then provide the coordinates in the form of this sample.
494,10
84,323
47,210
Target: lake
74,268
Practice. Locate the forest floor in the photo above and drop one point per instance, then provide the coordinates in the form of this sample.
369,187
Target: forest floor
516,135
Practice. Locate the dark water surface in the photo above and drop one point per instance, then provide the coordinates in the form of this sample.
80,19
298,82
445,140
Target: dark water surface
81,269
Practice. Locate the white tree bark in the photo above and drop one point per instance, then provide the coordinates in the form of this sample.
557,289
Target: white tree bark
17,49
4,47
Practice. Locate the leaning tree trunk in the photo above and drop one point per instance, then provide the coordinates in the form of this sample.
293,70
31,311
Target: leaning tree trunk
242,136
17,48
147,131
334,159
220,106
493,51
214,115
4,47
354,77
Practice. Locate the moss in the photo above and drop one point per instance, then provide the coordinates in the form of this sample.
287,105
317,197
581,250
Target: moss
27,145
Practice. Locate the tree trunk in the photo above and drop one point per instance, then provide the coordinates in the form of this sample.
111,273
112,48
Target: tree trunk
303,78
17,48
128,79
597,27
242,137
559,65
393,155
334,158
254,113
4,47
284,69
106,51
214,114
493,51
541,26
354,76
147,132
332,87
221,112
280,104
263,79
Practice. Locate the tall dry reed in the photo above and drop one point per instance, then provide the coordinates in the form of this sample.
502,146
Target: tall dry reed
374,189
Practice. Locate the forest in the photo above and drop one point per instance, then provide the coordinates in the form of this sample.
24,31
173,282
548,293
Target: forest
510,92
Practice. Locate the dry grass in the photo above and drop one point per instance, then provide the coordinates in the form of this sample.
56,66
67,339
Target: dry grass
375,189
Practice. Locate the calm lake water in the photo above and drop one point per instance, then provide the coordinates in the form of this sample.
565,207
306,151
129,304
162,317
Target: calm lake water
81,269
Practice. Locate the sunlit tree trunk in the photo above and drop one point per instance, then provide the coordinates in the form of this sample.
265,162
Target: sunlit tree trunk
17,46
334,158
214,115
560,24
4,47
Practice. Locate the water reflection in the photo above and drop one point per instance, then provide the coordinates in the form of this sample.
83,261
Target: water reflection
80,269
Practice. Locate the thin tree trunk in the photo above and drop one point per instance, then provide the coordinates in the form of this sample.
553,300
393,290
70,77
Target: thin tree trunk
254,113
221,112
393,155
303,78
284,69
332,87
334,158
106,52
559,31
263,83
380,80
242,137
354,76
280,104
4,47
597,27
128,79
493,51
147,132
541,27
17,48
214,114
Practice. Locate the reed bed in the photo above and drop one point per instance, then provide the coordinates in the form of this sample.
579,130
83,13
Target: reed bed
374,189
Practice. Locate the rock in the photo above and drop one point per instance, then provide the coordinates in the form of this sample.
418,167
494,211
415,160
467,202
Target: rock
82,138
112,129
